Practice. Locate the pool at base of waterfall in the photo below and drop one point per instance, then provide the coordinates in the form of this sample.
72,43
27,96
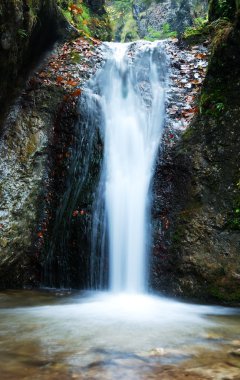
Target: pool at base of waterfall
58,335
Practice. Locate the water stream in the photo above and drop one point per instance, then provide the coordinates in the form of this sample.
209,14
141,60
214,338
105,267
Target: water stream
60,336
124,333
132,90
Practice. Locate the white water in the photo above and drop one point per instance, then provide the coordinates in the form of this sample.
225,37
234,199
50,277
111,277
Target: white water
133,105
102,335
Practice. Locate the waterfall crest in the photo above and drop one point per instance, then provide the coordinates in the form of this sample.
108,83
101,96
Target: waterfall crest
131,87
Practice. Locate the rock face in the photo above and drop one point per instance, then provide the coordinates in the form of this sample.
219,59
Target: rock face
38,135
167,15
25,32
199,249
137,19
97,6
43,148
226,9
23,160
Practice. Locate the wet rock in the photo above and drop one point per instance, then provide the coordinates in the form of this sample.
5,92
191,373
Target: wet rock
6,40
198,190
212,336
177,15
235,352
37,136
26,32
235,343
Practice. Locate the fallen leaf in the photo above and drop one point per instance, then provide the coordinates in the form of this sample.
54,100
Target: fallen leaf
76,92
200,56
72,83
59,79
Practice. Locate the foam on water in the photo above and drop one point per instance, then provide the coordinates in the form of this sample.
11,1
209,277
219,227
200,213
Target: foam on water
132,101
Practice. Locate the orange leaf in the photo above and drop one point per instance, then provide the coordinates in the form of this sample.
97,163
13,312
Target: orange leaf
75,9
40,235
76,92
59,79
72,83
200,55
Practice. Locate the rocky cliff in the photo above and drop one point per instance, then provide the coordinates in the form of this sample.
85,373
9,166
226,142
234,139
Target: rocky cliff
38,132
138,19
201,242
27,29
45,207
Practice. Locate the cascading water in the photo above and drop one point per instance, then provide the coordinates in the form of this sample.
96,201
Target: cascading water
115,336
132,89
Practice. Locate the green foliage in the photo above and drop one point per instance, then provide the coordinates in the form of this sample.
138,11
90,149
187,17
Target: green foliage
166,32
213,103
198,30
88,24
222,8
22,33
123,25
122,5
219,107
129,31
200,21
153,34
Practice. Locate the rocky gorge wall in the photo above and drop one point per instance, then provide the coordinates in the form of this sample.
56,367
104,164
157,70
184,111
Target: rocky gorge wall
26,30
38,131
139,19
162,18
45,208
200,244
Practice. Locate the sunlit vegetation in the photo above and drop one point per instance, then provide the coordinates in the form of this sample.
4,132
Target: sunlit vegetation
123,25
166,32
87,23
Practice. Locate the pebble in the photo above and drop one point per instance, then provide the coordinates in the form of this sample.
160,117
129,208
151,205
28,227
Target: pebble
235,352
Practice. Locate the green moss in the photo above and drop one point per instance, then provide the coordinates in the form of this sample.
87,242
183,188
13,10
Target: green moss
87,23
22,33
222,8
230,294
129,31
123,25
220,30
188,133
213,102
76,57
197,33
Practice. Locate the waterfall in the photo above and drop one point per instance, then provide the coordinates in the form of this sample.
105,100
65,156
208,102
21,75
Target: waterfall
132,90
